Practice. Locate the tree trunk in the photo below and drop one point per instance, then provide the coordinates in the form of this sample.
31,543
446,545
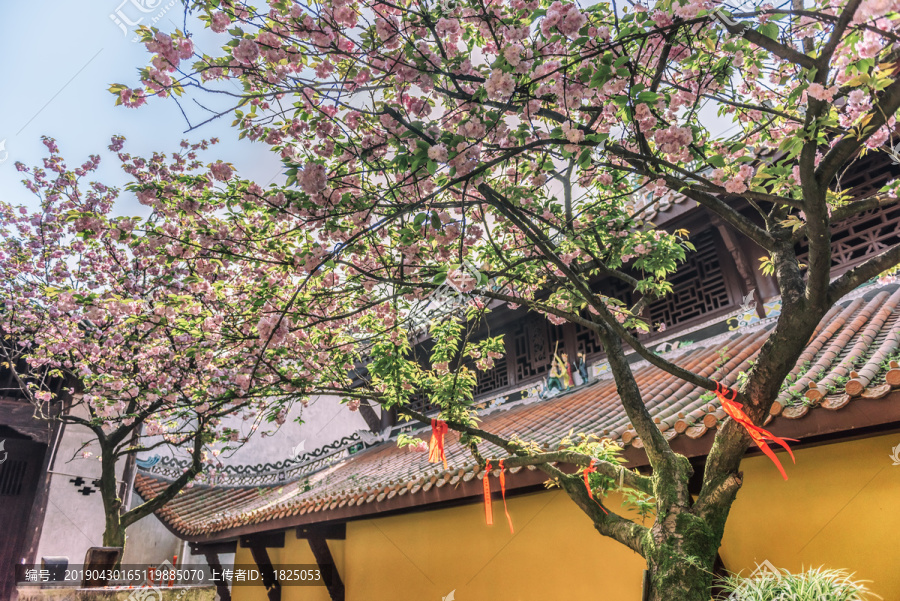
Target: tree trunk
681,546
680,579
681,568
114,534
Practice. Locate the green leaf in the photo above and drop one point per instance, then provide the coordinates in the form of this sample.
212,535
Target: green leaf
770,30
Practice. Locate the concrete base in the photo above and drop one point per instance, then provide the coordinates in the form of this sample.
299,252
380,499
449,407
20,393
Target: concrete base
167,593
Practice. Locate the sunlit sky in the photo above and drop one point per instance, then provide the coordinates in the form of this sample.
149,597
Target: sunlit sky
58,59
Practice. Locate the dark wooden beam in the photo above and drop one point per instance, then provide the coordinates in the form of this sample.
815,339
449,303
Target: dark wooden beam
743,264
372,419
42,495
270,580
212,559
219,548
326,531
720,572
645,586
322,553
19,415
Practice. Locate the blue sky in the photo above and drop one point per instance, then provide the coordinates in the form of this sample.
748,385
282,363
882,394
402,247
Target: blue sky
59,58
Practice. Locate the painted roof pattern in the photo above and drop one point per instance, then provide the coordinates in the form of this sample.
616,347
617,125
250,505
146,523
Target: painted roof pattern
849,356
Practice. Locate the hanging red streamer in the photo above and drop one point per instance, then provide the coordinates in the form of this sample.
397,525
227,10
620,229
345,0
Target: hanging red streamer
503,492
436,445
735,411
488,512
587,484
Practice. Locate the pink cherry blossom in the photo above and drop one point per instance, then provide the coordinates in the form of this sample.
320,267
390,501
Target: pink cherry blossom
221,171
219,22
247,52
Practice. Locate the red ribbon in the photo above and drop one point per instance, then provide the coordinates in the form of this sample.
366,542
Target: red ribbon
436,445
488,512
503,492
587,484
759,435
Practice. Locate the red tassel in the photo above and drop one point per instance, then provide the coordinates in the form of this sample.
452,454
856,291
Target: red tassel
759,435
503,492
436,445
488,512
587,484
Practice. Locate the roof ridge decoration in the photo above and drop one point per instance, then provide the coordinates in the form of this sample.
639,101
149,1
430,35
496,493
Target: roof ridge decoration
276,472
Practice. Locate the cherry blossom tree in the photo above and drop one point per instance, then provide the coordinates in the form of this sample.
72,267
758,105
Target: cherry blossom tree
148,350
513,137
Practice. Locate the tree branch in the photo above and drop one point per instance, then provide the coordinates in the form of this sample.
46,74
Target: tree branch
657,447
610,524
629,478
863,273
711,202
847,146
852,209
173,489
778,49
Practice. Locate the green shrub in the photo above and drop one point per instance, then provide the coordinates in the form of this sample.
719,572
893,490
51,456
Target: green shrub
813,585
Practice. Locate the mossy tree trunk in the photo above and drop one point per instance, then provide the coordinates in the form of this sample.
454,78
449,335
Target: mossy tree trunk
118,517
681,544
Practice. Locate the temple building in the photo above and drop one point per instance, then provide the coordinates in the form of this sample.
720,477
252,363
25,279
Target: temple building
338,494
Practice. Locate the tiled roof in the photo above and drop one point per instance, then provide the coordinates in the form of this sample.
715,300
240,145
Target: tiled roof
846,358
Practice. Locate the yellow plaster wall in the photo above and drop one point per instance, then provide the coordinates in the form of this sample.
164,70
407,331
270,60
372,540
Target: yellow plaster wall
424,556
295,555
840,508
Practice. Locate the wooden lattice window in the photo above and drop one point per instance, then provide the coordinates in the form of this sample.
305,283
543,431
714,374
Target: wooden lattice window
868,174
495,378
534,339
586,340
855,239
420,403
12,475
698,287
